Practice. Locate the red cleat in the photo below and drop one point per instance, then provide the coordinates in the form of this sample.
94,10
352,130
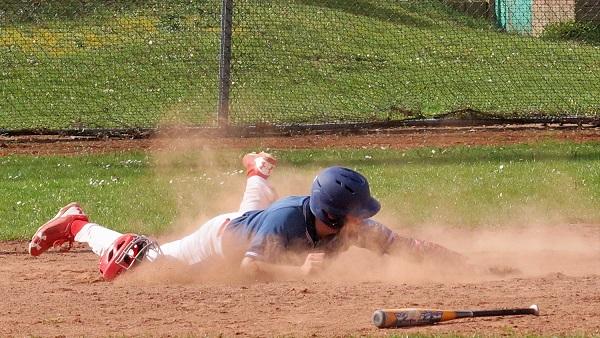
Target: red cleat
57,231
261,164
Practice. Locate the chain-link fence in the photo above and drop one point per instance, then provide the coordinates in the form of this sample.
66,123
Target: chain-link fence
72,64
108,64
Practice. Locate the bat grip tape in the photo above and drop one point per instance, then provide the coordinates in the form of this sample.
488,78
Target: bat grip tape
502,312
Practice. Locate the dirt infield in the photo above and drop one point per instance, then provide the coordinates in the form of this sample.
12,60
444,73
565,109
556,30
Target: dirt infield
62,294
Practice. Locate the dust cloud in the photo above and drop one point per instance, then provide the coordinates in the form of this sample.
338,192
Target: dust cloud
500,253
217,182
201,178
518,250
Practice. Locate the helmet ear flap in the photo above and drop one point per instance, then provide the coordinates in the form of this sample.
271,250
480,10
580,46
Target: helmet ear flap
321,206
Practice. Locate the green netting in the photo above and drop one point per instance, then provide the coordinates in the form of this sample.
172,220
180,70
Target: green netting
119,64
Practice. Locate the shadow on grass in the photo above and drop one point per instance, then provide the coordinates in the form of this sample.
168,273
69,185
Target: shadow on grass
421,14
368,9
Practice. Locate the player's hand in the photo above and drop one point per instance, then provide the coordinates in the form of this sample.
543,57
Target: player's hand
313,263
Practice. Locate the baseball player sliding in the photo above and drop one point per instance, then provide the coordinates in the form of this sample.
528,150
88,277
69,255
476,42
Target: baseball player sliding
260,235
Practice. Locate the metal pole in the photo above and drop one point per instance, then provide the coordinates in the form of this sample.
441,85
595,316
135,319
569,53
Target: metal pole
225,63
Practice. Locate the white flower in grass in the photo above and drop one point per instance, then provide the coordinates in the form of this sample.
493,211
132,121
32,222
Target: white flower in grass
128,163
98,182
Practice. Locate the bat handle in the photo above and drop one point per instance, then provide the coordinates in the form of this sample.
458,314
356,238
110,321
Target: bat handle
532,310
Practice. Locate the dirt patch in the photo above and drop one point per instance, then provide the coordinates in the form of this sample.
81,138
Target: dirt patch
393,139
61,294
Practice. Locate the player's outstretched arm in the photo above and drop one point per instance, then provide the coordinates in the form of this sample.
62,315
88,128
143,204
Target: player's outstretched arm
432,252
256,268
424,250
377,237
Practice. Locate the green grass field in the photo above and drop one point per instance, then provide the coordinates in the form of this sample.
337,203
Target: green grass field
141,64
459,186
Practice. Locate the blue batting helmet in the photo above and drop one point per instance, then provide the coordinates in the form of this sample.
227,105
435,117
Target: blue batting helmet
338,192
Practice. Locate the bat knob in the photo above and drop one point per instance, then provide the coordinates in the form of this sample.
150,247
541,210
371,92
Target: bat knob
536,309
379,318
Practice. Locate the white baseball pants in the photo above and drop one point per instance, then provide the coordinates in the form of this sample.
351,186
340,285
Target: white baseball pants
204,243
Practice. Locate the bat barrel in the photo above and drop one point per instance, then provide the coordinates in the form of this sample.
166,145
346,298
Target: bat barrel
379,318
388,318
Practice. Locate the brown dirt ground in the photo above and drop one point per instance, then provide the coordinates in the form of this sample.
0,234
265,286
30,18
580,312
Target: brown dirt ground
61,294
394,139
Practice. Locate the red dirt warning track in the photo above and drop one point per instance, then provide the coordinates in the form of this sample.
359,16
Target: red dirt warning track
397,139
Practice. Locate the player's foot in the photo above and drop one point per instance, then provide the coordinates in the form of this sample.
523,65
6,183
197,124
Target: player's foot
261,164
57,231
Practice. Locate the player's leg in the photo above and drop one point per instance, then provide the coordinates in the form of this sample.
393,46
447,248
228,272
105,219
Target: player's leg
207,242
98,237
259,193
118,252
59,230
203,244
70,225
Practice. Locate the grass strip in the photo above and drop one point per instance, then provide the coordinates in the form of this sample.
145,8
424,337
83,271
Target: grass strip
457,186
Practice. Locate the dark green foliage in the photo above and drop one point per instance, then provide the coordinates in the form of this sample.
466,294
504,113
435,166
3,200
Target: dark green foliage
586,32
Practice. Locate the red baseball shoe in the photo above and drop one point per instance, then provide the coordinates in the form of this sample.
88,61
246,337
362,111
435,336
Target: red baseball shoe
57,231
261,164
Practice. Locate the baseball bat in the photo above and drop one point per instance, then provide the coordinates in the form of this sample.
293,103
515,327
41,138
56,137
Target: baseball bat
387,318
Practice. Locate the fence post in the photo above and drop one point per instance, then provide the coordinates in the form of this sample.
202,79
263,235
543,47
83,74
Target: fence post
225,63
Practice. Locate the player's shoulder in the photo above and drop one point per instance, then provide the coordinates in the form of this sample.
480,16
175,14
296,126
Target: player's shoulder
288,210
290,202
